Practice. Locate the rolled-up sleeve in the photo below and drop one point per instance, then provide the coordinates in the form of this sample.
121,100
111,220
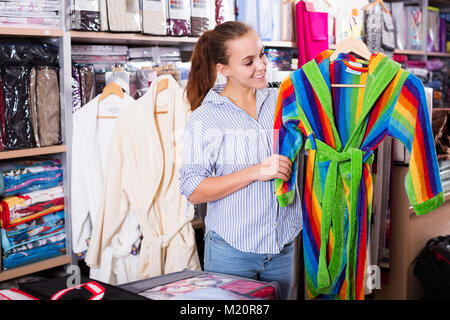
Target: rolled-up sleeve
201,146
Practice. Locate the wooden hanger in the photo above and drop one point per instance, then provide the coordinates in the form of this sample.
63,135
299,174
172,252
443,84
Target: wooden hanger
351,45
109,89
163,84
380,2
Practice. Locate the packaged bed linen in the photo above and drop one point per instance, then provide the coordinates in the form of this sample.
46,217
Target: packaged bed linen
33,240
29,175
28,206
154,17
85,15
200,13
225,11
30,14
179,18
124,15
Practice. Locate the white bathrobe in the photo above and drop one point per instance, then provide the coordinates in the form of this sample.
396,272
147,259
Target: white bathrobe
142,177
91,138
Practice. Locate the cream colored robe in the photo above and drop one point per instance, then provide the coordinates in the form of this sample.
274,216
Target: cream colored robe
142,177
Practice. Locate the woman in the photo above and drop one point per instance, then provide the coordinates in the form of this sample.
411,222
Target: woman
228,160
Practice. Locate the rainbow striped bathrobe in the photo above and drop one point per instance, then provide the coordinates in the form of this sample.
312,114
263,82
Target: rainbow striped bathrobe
342,127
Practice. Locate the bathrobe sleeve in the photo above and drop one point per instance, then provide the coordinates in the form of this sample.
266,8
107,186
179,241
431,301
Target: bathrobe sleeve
410,123
288,138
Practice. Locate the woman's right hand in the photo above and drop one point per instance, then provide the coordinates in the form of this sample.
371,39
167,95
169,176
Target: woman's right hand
274,167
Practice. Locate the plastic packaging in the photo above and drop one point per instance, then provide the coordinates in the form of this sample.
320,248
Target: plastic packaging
248,13
433,29
276,21
28,54
33,106
124,15
48,107
103,13
86,15
87,83
154,17
179,18
442,34
414,22
200,12
225,11
265,25
17,112
287,21
30,14
399,18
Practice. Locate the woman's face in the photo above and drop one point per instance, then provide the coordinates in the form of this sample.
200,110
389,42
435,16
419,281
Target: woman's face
247,61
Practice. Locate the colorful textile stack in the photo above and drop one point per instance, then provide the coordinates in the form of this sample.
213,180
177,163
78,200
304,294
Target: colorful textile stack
31,212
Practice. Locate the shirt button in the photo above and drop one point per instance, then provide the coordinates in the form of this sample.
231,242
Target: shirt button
275,224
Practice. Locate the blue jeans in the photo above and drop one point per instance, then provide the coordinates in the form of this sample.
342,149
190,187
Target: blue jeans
220,257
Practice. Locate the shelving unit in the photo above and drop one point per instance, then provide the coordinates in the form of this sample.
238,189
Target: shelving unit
142,39
62,39
32,152
30,32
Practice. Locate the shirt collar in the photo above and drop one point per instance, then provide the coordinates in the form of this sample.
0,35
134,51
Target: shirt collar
214,96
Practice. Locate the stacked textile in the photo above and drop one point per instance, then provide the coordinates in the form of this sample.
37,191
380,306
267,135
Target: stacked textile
90,63
29,95
30,14
31,212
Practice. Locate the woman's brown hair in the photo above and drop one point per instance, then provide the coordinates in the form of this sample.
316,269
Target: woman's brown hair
209,50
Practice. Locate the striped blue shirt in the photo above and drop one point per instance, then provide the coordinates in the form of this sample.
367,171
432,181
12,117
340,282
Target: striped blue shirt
221,138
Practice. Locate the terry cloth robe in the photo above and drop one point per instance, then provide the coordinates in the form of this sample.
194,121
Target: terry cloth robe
142,177
91,138
342,127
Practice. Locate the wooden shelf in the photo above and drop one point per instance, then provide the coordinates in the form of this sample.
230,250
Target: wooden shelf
32,152
439,54
142,39
31,32
409,52
35,267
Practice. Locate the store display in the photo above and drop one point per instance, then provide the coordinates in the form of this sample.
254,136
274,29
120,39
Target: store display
29,175
172,247
414,22
200,13
92,130
85,15
30,14
31,116
124,15
179,18
48,288
333,146
24,207
311,31
198,285
154,17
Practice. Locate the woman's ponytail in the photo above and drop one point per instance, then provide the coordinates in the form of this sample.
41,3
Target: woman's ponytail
210,50
202,75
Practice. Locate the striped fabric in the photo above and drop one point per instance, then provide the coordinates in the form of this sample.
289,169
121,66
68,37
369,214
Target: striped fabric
221,138
342,126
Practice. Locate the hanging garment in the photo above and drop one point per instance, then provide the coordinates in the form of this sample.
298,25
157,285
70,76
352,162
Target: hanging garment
343,126
91,138
311,31
142,176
